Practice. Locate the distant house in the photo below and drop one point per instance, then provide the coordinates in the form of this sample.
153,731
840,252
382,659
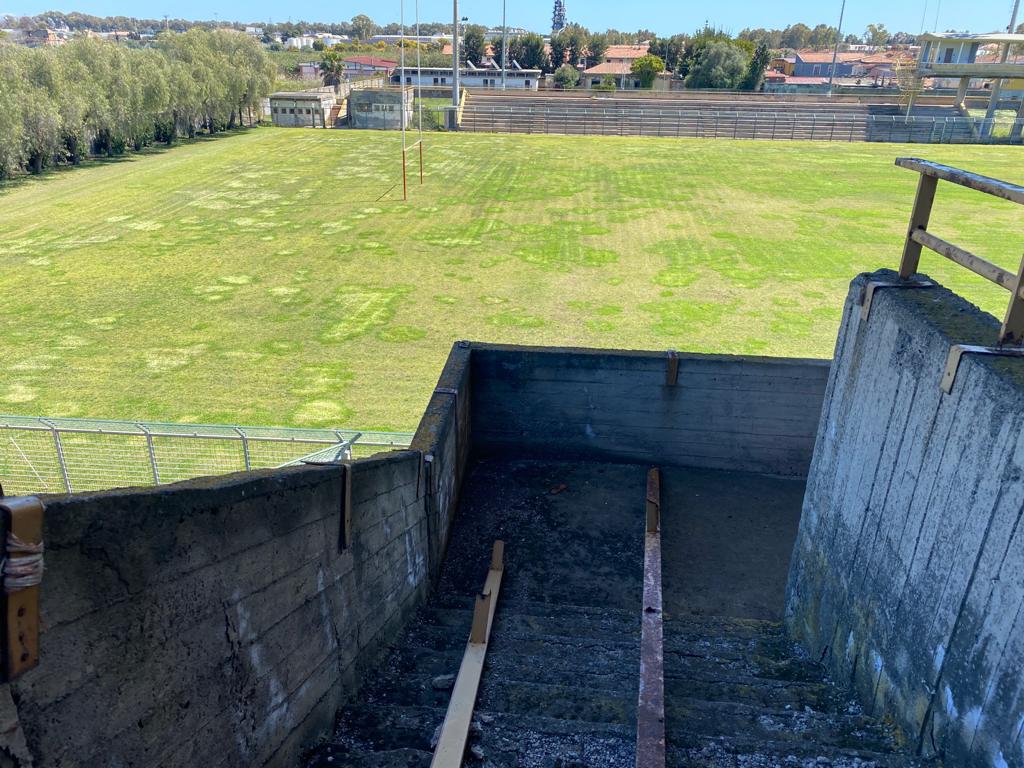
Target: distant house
309,70
39,38
819,63
618,63
625,54
368,65
783,64
254,31
301,109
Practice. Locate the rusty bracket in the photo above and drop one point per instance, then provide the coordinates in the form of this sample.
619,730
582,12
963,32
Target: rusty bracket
957,351
672,368
868,292
22,572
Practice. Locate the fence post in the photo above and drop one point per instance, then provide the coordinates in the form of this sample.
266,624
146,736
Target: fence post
152,453
60,455
245,449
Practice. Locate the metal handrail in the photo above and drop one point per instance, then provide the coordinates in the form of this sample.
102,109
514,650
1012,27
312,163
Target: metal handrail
918,236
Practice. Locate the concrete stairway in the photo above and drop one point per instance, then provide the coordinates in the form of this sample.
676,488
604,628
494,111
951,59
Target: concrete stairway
560,683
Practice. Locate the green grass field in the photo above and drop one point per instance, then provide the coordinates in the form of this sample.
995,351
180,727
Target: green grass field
276,277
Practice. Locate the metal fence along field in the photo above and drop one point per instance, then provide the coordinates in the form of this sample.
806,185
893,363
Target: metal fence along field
41,455
823,126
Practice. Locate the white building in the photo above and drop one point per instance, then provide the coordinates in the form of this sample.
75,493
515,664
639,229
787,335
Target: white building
306,41
517,79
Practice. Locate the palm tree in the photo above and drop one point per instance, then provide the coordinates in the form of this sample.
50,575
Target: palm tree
332,69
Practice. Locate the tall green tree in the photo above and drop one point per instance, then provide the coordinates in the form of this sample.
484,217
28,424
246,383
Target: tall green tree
474,45
597,46
720,65
754,76
332,68
647,69
363,27
528,51
876,35
567,76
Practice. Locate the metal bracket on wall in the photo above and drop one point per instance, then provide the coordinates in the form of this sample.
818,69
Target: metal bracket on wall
957,351
672,368
868,293
22,574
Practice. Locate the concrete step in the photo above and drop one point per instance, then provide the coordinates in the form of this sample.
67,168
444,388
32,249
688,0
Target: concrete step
504,740
513,697
330,757
742,752
687,718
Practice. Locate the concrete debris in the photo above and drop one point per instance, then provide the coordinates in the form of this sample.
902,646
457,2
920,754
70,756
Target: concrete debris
443,682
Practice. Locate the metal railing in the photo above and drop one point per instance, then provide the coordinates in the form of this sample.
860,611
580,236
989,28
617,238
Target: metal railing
49,455
759,124
918,236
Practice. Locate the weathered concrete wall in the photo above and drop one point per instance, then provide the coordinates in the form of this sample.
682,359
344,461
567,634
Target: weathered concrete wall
724,412
908,574
443,438
220,622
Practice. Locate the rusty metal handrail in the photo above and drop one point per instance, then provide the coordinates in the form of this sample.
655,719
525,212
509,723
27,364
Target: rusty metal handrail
918,236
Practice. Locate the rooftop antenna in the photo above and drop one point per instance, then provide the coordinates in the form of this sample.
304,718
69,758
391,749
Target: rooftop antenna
835,51
924,16
938,7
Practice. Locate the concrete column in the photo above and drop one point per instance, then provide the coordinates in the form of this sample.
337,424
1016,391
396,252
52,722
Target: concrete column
961,92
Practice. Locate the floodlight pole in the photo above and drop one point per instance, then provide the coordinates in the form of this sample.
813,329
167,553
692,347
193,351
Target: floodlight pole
455,55
997,84
835,51
504,44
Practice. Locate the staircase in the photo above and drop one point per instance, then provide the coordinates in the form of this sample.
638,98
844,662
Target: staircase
711,118
560,682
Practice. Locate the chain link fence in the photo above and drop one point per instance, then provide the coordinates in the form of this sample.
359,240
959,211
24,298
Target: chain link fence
41,455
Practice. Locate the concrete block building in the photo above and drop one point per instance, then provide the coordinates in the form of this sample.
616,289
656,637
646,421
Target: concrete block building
380,108
301,109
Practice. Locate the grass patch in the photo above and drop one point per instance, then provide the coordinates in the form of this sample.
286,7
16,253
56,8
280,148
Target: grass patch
276,277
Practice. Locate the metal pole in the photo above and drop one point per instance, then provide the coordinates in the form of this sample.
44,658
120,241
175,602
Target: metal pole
455,57
504,44
245,449
997,84
60,458
152,454
835,51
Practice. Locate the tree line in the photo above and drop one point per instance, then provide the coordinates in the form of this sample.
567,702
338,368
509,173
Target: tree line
91,97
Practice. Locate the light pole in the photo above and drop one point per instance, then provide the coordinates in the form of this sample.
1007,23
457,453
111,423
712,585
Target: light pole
835,51
455,56
997,84
504,44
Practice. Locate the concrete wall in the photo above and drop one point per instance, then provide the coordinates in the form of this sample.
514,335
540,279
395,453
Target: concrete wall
380,109
749,413
908,574
219,622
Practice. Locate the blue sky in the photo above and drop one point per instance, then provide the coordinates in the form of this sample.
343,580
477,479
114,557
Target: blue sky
663,16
